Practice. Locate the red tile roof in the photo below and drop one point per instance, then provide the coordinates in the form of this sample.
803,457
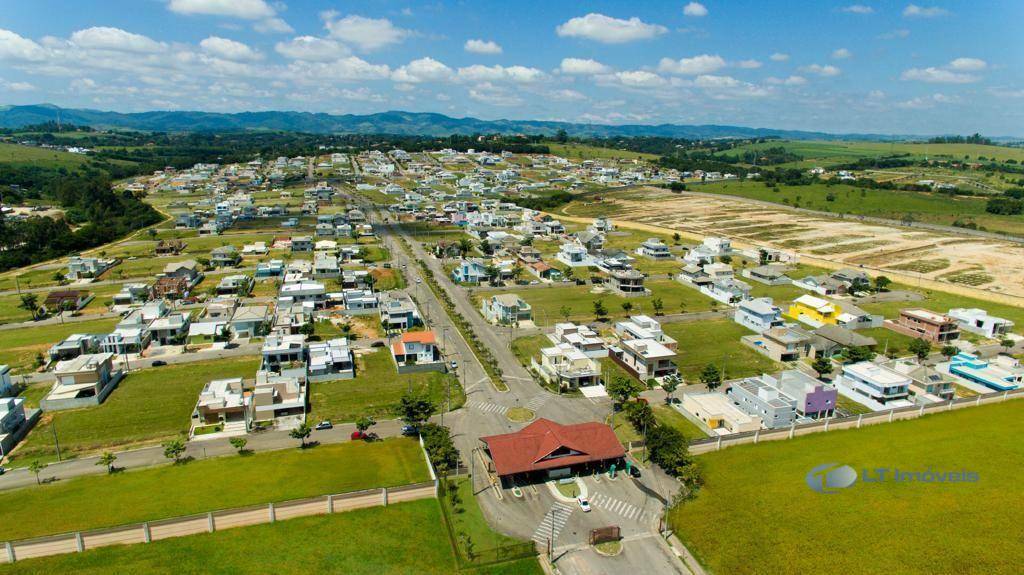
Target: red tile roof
419,337
530,448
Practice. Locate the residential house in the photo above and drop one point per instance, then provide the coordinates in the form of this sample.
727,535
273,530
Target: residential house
782,344
279,399
980,322
814,398
814,311
755,397
303,291
760,314
66,300
719,413
654,248
397,311
225,256
829,340
567,367
768,274
644,358
73,346
927,325
853,317
84,268
325,266
239,284
628,283
926,382
417,351
574,255
643,327
133,293
284,353
86,376
169,329
273,268
470,271
223,402
330,360
170,287
709,250
822,285
248,321
580,337
302,244
875,382
592,241
506,309
188,270
358,300
12,417
1002,373
6,387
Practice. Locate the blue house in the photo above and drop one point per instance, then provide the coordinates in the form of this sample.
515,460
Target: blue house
470,271
1002,374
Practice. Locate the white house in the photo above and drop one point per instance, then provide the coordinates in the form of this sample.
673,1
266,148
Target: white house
759,314
980,322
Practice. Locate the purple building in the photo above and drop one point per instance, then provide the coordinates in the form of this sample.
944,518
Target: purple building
814,398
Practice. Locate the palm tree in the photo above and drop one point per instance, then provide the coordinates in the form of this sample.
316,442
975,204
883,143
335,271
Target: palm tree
465,246
301,433
30,303
108,459
517,271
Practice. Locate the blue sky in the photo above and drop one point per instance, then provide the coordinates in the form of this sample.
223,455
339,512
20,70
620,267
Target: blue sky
858,66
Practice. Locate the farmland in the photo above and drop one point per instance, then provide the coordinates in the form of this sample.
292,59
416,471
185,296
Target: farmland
818,153
761,509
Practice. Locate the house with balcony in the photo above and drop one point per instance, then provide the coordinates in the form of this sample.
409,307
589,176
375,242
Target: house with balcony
875,382
783,344
643,327
567,367
1002,373
133,294
654,248
325,266
708,251
629,283
759,314
925,324
284,355
73,346
225,256
815,399
223,402
85,268
187,270
397,311
470,271
271,269
574,255
359,301
728,291
980,322
248,321
417,351
506,309
330,360
814,311
755,397
279,400
303,292
581,337
238,284
302,244
644,358
80,382
169,329
927,383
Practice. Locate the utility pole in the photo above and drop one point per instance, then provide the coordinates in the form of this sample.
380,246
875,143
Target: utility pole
53,427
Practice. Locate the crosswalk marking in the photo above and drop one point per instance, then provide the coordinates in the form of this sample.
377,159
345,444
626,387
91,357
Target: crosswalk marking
487,407
619,507
536,402
556,516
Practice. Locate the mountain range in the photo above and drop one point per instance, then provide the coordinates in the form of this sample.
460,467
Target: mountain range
393,122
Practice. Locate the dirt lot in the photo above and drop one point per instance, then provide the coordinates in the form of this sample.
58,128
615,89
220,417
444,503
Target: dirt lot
990,265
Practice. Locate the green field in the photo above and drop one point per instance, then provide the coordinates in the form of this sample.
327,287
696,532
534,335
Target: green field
584,152
820,153
96,501
18,347
376,390
942,302
547,302
18,155
756,514
148,406
717,342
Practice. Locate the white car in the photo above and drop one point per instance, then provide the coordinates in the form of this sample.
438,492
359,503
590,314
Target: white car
584,504
419,281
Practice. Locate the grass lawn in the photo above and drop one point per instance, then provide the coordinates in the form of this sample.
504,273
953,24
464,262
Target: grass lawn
173,490
755,513
470,519
672,418
585,152
548,302
718,342
370,541
148,406
376,390
942,302
18,347
896,343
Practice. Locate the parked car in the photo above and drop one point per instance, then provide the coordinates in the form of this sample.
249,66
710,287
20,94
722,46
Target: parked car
358,435
419,281
634,471
454,364
409,430
325,424
3,470
159,363
584,504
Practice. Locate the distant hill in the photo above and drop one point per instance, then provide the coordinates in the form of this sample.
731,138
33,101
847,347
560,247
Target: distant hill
401,123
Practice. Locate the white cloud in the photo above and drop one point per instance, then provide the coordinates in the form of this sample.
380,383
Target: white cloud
695,9
925,102
16,86
748,64
15,47
566,95
1006,93
702,64
477,46
790,81
106,38
938,76
229,49
583,66
876,95
311,49
422,70
915,11
273,26
366,34
968,65
899,33
728,88
827,70
779,57
350,69
496,73
609,30
493,95
634,79
857,9
841,54
245,9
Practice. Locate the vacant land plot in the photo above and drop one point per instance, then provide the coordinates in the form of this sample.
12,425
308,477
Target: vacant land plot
376,390
106,500
762,510
942,302
826,153
716,342
19,347
148,406
584,152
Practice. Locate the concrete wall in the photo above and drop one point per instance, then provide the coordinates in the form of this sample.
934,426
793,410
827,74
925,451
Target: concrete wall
212,521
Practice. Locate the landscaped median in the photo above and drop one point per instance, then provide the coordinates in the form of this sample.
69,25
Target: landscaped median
757,513
201,486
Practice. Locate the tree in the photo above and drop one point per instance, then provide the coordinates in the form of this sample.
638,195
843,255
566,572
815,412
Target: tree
465,246
30,303
59,278
517,271
37,467
307,329
301,433
949,351
565,312
107,460
670,384
859,285
676,237
174,449
1006,344
711,376
437,441
561,136
859,353
762,256
567,273
640,415
364,423
822,365
658,305
151,232
882,283
414,408
627,306
621,389
599,310
920,347
239,444
668,448
726,259
492,272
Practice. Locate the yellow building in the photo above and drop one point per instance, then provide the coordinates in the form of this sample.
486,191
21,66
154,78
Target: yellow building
814,311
